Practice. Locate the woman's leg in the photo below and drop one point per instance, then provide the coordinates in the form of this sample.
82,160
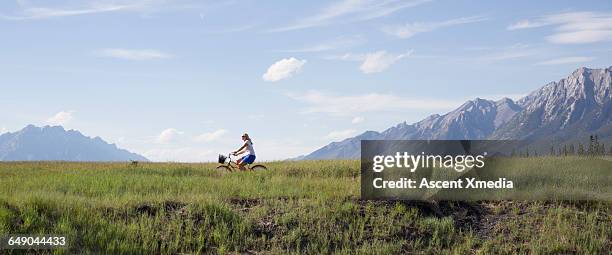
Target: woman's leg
248,159
240,163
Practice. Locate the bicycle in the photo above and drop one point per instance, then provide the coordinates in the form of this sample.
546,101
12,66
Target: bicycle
231,166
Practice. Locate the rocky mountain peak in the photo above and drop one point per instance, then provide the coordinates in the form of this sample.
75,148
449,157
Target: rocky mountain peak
55,143
583,97
576,105
582,84
505,101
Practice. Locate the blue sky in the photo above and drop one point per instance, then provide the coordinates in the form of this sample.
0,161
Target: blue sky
181,80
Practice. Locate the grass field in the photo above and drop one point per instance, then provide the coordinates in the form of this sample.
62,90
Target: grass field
294,207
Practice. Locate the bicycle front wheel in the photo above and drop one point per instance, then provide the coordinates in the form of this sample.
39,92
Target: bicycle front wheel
258,168
224,168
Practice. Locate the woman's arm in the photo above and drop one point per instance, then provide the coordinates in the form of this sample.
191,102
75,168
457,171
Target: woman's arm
240,150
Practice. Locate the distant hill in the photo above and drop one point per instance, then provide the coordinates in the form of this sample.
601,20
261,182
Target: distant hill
562,111
55,143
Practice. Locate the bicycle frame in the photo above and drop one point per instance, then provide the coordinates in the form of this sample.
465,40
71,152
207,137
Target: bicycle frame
232,164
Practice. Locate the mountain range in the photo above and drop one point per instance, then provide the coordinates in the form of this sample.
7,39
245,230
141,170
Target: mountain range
564,111
56,143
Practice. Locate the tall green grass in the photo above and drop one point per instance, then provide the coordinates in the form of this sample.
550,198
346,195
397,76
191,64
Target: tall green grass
294,207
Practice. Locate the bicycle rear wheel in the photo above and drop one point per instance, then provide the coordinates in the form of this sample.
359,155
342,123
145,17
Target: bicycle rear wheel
224,168
258,168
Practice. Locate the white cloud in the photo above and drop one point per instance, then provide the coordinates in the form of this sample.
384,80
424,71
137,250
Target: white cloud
3,130
524,24
411,29
211,136
61,118
379,61
373,102
573,27
283,69
581,37
133,54
53,9
566,60
168,135
357,120
372,62
341,134
43,13
350,11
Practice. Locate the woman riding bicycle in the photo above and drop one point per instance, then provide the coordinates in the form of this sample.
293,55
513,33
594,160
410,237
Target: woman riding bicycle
249,158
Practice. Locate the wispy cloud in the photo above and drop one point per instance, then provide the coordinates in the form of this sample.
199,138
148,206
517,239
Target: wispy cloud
335,44
133,54
319,102
211,136
283,69
379,61
411,29
357,120
374,62
350,11
580,37
28,13
566,60
341,134
61,118
524,24
572,27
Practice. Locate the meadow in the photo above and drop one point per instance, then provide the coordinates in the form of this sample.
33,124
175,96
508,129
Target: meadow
309,207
